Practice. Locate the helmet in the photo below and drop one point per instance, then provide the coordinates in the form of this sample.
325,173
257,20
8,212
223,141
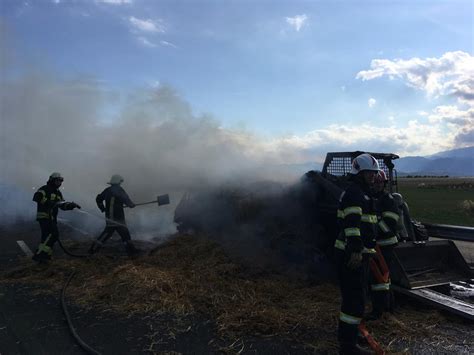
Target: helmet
381,177
56,176
364,162
115,180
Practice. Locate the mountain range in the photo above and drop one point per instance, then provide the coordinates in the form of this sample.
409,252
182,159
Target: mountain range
456,162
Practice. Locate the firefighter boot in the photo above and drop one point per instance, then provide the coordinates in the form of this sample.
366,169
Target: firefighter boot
348,337
96,245
131,250
41,257
351,349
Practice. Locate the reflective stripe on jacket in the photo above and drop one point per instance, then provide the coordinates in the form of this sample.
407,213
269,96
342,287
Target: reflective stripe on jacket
357,221
46,199
388,220
115,198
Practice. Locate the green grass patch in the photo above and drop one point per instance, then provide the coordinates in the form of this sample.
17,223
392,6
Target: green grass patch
438,203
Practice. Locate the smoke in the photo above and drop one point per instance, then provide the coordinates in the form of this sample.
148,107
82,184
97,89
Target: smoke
88,132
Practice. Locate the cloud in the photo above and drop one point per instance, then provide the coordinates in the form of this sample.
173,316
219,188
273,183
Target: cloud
465,137
297,22
449,76
149,26
168,44
452,114
145,42
115,2
414,138
371,102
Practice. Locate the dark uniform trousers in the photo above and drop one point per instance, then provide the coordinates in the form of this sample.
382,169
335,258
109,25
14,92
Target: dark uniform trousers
353,284
49,232
381,294
387,238
110,228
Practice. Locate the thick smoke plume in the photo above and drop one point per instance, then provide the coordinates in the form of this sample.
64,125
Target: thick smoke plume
88,132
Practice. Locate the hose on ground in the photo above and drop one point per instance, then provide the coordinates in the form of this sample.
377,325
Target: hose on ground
81,343
70,253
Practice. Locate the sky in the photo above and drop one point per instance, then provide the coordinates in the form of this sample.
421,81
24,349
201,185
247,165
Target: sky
302,77
183,95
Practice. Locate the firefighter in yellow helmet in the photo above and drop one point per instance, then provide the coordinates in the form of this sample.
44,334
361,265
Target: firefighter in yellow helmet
115,198
49,199
354,244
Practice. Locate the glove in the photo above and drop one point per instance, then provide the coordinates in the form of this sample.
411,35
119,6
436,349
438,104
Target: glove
132,205
355,260
75,205
102,209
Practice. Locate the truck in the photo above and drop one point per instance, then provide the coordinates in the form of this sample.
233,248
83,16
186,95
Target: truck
293,228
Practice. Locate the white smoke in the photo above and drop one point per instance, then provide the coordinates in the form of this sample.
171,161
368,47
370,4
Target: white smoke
87,132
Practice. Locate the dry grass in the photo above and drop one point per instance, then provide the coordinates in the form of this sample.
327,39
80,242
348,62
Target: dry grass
191,275
463,183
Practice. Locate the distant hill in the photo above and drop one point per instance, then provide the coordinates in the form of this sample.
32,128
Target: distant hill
455,153
456,162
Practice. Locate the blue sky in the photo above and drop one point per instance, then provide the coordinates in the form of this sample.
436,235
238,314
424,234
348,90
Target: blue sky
299,74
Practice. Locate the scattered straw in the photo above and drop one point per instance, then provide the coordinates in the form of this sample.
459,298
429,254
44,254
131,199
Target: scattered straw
191,275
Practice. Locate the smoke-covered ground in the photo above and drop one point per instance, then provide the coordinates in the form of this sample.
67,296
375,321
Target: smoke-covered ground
87,131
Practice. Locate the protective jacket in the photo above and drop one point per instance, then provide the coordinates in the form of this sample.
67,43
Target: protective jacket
115,198
357,220
387,238
388,219
48,199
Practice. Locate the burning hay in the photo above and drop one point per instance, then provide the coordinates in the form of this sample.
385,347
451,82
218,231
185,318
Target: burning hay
191,275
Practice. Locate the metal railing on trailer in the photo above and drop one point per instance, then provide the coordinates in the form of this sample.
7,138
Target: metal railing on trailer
340,164
444,231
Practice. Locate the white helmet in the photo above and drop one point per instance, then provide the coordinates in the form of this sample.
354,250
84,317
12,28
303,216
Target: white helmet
364,162
115,180
55,176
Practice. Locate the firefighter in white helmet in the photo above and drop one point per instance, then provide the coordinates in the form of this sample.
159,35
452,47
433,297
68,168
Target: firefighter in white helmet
115,198
354,244
49,199
387,239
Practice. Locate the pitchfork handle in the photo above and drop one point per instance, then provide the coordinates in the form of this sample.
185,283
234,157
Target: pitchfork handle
144,203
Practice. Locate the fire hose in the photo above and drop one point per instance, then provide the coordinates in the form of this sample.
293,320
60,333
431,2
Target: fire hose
73,331
370,340
161,200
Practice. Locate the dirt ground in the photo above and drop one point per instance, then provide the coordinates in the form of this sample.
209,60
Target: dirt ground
201,303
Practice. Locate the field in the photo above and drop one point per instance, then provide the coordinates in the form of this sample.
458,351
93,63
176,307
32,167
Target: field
440,200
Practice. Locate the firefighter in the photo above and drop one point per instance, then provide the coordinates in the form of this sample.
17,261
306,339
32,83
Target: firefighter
387,239
354,245
115,198
49,199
